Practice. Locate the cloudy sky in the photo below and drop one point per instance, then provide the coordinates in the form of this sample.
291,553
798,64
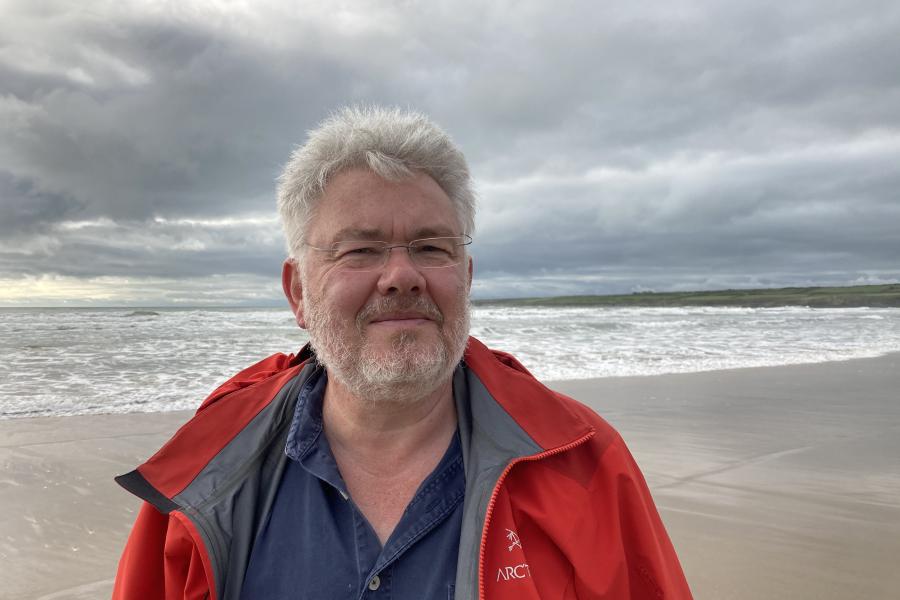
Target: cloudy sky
616,146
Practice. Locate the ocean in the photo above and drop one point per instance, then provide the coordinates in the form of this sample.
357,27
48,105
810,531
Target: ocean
114,360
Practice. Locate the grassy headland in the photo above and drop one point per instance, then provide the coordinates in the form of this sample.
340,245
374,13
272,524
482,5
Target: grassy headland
817,297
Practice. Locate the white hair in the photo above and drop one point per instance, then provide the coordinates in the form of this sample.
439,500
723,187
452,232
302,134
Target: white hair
391,142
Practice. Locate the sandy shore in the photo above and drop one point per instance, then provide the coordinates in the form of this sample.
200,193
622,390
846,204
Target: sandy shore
778,482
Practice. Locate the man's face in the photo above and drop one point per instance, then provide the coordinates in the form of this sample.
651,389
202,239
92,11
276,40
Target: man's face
397,331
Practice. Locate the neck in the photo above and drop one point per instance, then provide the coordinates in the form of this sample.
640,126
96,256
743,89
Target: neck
385,449
386,434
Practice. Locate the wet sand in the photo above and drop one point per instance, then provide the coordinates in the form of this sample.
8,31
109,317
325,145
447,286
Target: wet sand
779,482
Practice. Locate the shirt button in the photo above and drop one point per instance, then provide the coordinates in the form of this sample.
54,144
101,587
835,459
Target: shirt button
374,583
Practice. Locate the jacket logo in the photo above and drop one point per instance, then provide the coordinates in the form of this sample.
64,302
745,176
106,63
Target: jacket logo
513,540
521,571
514,572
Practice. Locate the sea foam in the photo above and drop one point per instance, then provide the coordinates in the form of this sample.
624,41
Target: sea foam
79,361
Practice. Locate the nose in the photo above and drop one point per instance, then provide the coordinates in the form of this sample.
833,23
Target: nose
400,275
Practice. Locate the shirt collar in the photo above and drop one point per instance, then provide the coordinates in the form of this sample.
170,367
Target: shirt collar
306,425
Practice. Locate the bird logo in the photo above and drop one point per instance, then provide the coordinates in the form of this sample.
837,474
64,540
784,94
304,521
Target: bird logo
513,540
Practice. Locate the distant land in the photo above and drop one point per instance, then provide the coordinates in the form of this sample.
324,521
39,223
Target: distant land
816,297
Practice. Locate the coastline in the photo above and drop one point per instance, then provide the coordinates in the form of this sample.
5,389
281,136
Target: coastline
772,481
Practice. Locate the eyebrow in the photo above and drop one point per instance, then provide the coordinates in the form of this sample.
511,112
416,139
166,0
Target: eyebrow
430,232
358,233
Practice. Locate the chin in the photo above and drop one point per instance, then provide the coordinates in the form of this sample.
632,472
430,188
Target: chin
400,369
400,366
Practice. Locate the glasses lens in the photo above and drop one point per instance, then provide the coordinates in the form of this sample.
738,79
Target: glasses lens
359,254
436,252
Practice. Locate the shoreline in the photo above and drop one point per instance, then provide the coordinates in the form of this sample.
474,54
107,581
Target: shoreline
890,354
788,471
551,383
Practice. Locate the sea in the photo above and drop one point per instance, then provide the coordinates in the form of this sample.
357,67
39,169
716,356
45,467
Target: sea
62,361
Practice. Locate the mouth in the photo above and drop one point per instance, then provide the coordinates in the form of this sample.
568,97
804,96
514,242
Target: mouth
399,314
403,319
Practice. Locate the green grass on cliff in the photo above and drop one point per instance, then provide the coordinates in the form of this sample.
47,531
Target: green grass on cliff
817,297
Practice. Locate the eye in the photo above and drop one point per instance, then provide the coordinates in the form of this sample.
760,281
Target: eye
356,250
431,248
436,246
363,250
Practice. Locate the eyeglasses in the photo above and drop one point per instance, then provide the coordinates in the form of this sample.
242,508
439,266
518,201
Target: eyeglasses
368,255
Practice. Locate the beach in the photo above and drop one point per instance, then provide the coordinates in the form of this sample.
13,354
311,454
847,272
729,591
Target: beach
774,482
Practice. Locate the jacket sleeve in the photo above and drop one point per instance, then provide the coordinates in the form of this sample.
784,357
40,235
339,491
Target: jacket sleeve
161,561
653,567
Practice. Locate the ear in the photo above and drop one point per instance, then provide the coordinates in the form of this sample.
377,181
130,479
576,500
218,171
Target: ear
293,289
469,282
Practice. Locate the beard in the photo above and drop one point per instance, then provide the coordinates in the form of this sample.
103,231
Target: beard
410,369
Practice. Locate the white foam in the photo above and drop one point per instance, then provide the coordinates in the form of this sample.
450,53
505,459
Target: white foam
57,362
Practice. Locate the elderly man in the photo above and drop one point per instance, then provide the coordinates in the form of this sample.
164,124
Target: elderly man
394,457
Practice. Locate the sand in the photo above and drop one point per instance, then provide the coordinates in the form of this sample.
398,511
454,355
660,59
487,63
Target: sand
779,482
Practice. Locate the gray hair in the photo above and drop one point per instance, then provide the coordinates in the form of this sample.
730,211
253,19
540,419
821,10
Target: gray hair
392,143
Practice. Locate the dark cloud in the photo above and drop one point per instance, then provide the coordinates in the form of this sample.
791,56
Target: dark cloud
25,210
691,144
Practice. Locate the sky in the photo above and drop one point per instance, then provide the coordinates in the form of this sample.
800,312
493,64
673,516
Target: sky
615,146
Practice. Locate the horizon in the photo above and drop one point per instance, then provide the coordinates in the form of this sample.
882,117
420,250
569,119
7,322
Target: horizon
282,303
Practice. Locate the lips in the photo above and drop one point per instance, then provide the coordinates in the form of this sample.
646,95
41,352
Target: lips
400,317
397,311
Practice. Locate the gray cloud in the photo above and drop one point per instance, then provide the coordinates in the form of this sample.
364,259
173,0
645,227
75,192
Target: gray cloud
615,147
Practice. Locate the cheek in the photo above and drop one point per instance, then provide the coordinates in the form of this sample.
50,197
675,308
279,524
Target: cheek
345,293
450,294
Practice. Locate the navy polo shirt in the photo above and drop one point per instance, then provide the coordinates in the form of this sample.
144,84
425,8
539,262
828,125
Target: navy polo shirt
317,544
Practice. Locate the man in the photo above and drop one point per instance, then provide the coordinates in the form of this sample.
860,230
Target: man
395,456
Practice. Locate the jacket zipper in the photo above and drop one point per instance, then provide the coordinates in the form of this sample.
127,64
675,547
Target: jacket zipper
493,500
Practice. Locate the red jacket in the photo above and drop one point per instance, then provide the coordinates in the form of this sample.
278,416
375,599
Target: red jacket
555,505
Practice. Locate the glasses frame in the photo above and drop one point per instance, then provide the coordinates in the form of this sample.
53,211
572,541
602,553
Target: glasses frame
466,240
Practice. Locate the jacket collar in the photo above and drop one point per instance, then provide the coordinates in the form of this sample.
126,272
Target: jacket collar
529,403
525,420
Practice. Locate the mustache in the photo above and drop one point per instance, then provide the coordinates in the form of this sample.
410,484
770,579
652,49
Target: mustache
384,306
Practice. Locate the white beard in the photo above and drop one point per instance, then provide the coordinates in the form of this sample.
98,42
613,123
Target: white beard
409,371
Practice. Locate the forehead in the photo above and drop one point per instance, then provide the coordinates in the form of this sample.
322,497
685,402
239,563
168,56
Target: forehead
359,203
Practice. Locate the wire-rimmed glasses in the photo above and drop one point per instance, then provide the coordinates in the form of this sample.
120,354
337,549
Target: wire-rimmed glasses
372,255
